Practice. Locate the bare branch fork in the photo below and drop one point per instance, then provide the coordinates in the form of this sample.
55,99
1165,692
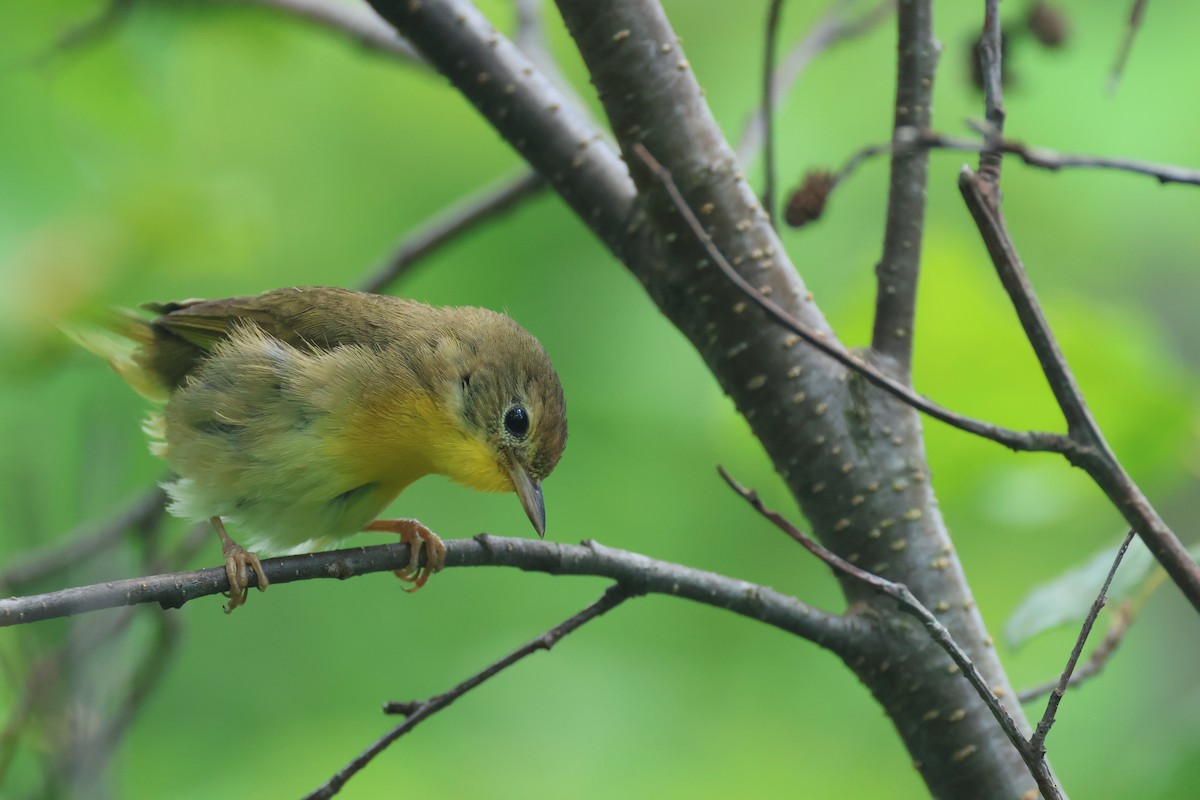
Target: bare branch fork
1083,445
1092,452
417,712
982,196
1096,661
1033,756
1035,441
1038,740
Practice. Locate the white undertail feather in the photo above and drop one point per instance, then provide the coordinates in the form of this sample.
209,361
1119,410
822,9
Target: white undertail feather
155,428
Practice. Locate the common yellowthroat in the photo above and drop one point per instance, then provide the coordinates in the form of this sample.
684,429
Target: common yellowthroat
299,414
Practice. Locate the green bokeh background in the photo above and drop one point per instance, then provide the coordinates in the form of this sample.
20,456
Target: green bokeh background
206,149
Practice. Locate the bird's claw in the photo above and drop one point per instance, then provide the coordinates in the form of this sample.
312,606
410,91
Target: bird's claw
418,538
237,558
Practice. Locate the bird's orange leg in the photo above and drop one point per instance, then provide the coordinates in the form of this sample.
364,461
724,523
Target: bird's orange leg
416,536
237,558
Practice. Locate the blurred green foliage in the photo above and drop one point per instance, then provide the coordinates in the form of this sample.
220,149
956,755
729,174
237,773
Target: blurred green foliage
210,149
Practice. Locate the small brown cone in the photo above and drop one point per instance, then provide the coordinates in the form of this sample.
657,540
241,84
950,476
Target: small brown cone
807,203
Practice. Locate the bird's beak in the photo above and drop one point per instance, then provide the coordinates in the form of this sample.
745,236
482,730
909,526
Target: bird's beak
530,492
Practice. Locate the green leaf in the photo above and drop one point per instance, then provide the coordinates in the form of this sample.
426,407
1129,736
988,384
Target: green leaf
1068,597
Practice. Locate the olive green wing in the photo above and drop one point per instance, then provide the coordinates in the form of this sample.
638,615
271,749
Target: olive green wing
309,318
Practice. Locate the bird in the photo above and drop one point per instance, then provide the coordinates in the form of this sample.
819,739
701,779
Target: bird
299,414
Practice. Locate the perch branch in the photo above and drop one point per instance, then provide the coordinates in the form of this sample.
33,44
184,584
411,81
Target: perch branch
418,712
639,573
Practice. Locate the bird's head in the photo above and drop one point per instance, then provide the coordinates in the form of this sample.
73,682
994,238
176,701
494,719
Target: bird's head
510,401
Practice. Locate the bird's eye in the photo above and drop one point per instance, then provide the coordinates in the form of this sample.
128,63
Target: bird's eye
466,380
516,422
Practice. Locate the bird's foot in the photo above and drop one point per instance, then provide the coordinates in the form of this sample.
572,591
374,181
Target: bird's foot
417,537
237,558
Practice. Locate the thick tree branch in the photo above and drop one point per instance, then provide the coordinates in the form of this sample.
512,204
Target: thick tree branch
639,573
834,438
418,712
899,268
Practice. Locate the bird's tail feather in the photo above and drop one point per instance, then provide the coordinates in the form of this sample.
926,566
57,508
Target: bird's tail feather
118,335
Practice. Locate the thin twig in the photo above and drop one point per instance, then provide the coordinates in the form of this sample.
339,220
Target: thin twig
86,759
1091,452
768,107
418,712
1135,22
908,602
90,30
530,36
1038,740
47,671
1096,661
83,543
1039,157
451,223
355,20
1113,638
991,54
1016,440
80,643
832,29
